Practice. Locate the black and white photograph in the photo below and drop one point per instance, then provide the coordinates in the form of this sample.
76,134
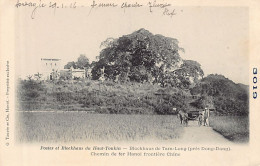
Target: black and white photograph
180,78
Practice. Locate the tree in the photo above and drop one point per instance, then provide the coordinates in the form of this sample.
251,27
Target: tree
226,96
140,56
38,76
82,62
30,77
70,64
188,74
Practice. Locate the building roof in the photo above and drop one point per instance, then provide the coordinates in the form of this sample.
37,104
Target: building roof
47,59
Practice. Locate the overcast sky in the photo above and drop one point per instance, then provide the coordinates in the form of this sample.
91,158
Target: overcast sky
216,37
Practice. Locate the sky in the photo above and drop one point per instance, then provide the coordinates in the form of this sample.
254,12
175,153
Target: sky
216,37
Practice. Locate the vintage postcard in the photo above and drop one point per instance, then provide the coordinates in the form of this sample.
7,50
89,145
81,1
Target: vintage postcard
123,82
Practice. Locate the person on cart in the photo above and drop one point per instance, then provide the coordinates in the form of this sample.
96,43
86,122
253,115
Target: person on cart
206,117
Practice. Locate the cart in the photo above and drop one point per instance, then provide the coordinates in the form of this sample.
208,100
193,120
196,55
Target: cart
195,116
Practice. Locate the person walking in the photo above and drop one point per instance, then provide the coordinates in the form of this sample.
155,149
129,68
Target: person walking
206,116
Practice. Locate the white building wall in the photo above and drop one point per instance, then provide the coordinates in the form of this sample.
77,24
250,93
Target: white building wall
78,73
48,66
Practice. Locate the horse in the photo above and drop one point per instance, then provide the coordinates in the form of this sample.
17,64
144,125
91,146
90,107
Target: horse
183,117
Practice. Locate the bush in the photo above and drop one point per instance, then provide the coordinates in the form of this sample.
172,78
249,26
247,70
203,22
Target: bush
63,96
106,97
29,90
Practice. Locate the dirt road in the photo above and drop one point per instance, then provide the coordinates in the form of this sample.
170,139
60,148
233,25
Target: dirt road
195,134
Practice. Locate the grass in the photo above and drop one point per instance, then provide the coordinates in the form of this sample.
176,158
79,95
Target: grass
107,97
80,126
234,128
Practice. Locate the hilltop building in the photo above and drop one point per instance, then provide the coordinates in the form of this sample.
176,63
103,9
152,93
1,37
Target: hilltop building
73,73
51,69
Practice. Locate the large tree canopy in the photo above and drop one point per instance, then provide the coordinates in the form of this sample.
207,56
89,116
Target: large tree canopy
140,56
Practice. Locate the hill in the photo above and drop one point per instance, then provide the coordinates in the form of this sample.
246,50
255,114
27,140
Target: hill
98,97
226,96
141,73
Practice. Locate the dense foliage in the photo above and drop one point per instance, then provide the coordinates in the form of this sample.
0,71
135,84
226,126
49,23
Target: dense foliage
226,96
214,91
128,63
106,97
81,63
144,57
